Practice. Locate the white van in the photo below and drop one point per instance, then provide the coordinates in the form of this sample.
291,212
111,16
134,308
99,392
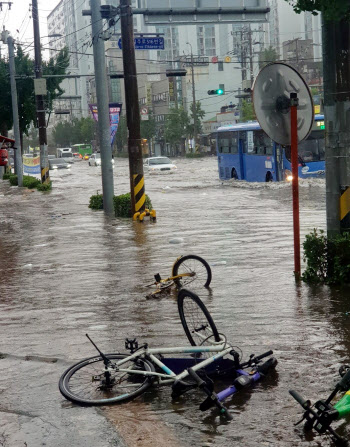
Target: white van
62,151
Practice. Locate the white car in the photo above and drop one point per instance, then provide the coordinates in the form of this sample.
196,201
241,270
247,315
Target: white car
159,164
95,159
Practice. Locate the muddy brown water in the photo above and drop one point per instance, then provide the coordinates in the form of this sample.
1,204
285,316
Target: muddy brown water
68,270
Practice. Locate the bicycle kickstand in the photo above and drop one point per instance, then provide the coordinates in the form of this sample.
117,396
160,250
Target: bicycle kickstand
212,399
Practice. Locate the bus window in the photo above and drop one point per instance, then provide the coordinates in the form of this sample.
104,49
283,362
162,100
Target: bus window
228,142
311,149
262,143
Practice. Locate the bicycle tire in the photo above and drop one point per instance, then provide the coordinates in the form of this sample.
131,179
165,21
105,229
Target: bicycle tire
195,317
192,264
65,382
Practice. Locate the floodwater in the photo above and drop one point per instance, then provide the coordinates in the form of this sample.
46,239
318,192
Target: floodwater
67,270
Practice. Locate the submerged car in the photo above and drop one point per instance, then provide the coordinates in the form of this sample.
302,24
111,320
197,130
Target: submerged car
95,159
158,164
58,163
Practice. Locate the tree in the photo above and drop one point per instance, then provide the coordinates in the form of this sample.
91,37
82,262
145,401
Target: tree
121,137
200,115
25,88
268,55
336,72
176,126
148,127
247,111
74,132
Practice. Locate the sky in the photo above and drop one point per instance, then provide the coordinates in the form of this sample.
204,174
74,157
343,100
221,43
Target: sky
20,19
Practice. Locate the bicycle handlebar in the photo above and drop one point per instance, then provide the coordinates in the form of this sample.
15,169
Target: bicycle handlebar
256,359
303,402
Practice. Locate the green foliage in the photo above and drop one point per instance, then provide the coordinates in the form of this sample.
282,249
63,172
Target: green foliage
176,125
200,115
121,137
268,55
148,127
122,204
44,186
25,87
30,182
331,9
74,132
194,155
328,260
96,202
6,176
247,111
13,180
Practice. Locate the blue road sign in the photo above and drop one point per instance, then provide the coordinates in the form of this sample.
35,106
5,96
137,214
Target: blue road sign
146,43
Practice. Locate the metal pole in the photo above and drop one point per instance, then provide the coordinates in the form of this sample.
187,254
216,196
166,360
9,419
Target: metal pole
295,181
40,107
251,55
103,108
193,103
18,150
137,185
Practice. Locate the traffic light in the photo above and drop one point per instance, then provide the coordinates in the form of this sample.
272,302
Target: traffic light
218,91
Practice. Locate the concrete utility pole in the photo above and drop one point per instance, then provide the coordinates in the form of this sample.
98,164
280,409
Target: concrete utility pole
18,150
102,108
40,107
195,128
336,78
137,185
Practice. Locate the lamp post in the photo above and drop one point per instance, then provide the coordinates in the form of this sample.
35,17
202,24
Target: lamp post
193,101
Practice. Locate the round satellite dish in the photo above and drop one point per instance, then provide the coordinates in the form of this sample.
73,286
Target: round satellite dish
271,98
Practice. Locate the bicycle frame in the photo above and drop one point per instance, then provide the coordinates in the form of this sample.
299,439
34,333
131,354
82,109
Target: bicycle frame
169,376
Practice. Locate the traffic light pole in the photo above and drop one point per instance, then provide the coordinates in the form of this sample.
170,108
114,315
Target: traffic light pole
137,185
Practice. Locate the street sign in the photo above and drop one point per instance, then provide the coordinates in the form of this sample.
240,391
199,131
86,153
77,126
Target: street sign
146,43
144,113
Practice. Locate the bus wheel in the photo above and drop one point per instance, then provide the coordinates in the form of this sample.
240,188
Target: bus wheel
234,174
269,177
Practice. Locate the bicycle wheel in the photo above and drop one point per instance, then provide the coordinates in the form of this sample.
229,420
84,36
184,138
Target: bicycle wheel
196,319
88,382
198,268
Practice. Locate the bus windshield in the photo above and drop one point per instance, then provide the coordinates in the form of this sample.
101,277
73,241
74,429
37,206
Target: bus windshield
311,149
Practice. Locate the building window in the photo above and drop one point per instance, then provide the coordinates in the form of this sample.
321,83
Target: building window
220,66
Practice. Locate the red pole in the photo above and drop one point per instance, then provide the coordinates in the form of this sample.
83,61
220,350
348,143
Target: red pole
295,181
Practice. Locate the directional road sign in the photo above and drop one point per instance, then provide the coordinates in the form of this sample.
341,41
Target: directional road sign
146,43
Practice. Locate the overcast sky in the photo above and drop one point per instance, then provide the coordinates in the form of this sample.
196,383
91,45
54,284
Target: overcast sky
18,18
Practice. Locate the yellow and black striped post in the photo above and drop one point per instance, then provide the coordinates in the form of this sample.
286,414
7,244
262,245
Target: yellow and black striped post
45,175
344,209
139,192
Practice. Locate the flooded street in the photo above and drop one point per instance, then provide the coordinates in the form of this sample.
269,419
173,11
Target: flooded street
68,271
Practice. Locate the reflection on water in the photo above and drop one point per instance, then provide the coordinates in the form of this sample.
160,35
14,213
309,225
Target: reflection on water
69,270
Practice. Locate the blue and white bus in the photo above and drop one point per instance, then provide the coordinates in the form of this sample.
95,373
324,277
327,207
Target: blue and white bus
245,152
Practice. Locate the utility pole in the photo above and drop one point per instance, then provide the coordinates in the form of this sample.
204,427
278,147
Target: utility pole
40,107
102,107
336,81
137,185
194,105
18,150
251,55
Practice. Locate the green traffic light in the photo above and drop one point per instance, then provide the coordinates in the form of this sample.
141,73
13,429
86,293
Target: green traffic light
219,91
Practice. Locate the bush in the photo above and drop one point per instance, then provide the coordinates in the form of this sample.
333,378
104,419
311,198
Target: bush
96,202
30,182
196,155
6,176
44,186
122,204
328,260
13,180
